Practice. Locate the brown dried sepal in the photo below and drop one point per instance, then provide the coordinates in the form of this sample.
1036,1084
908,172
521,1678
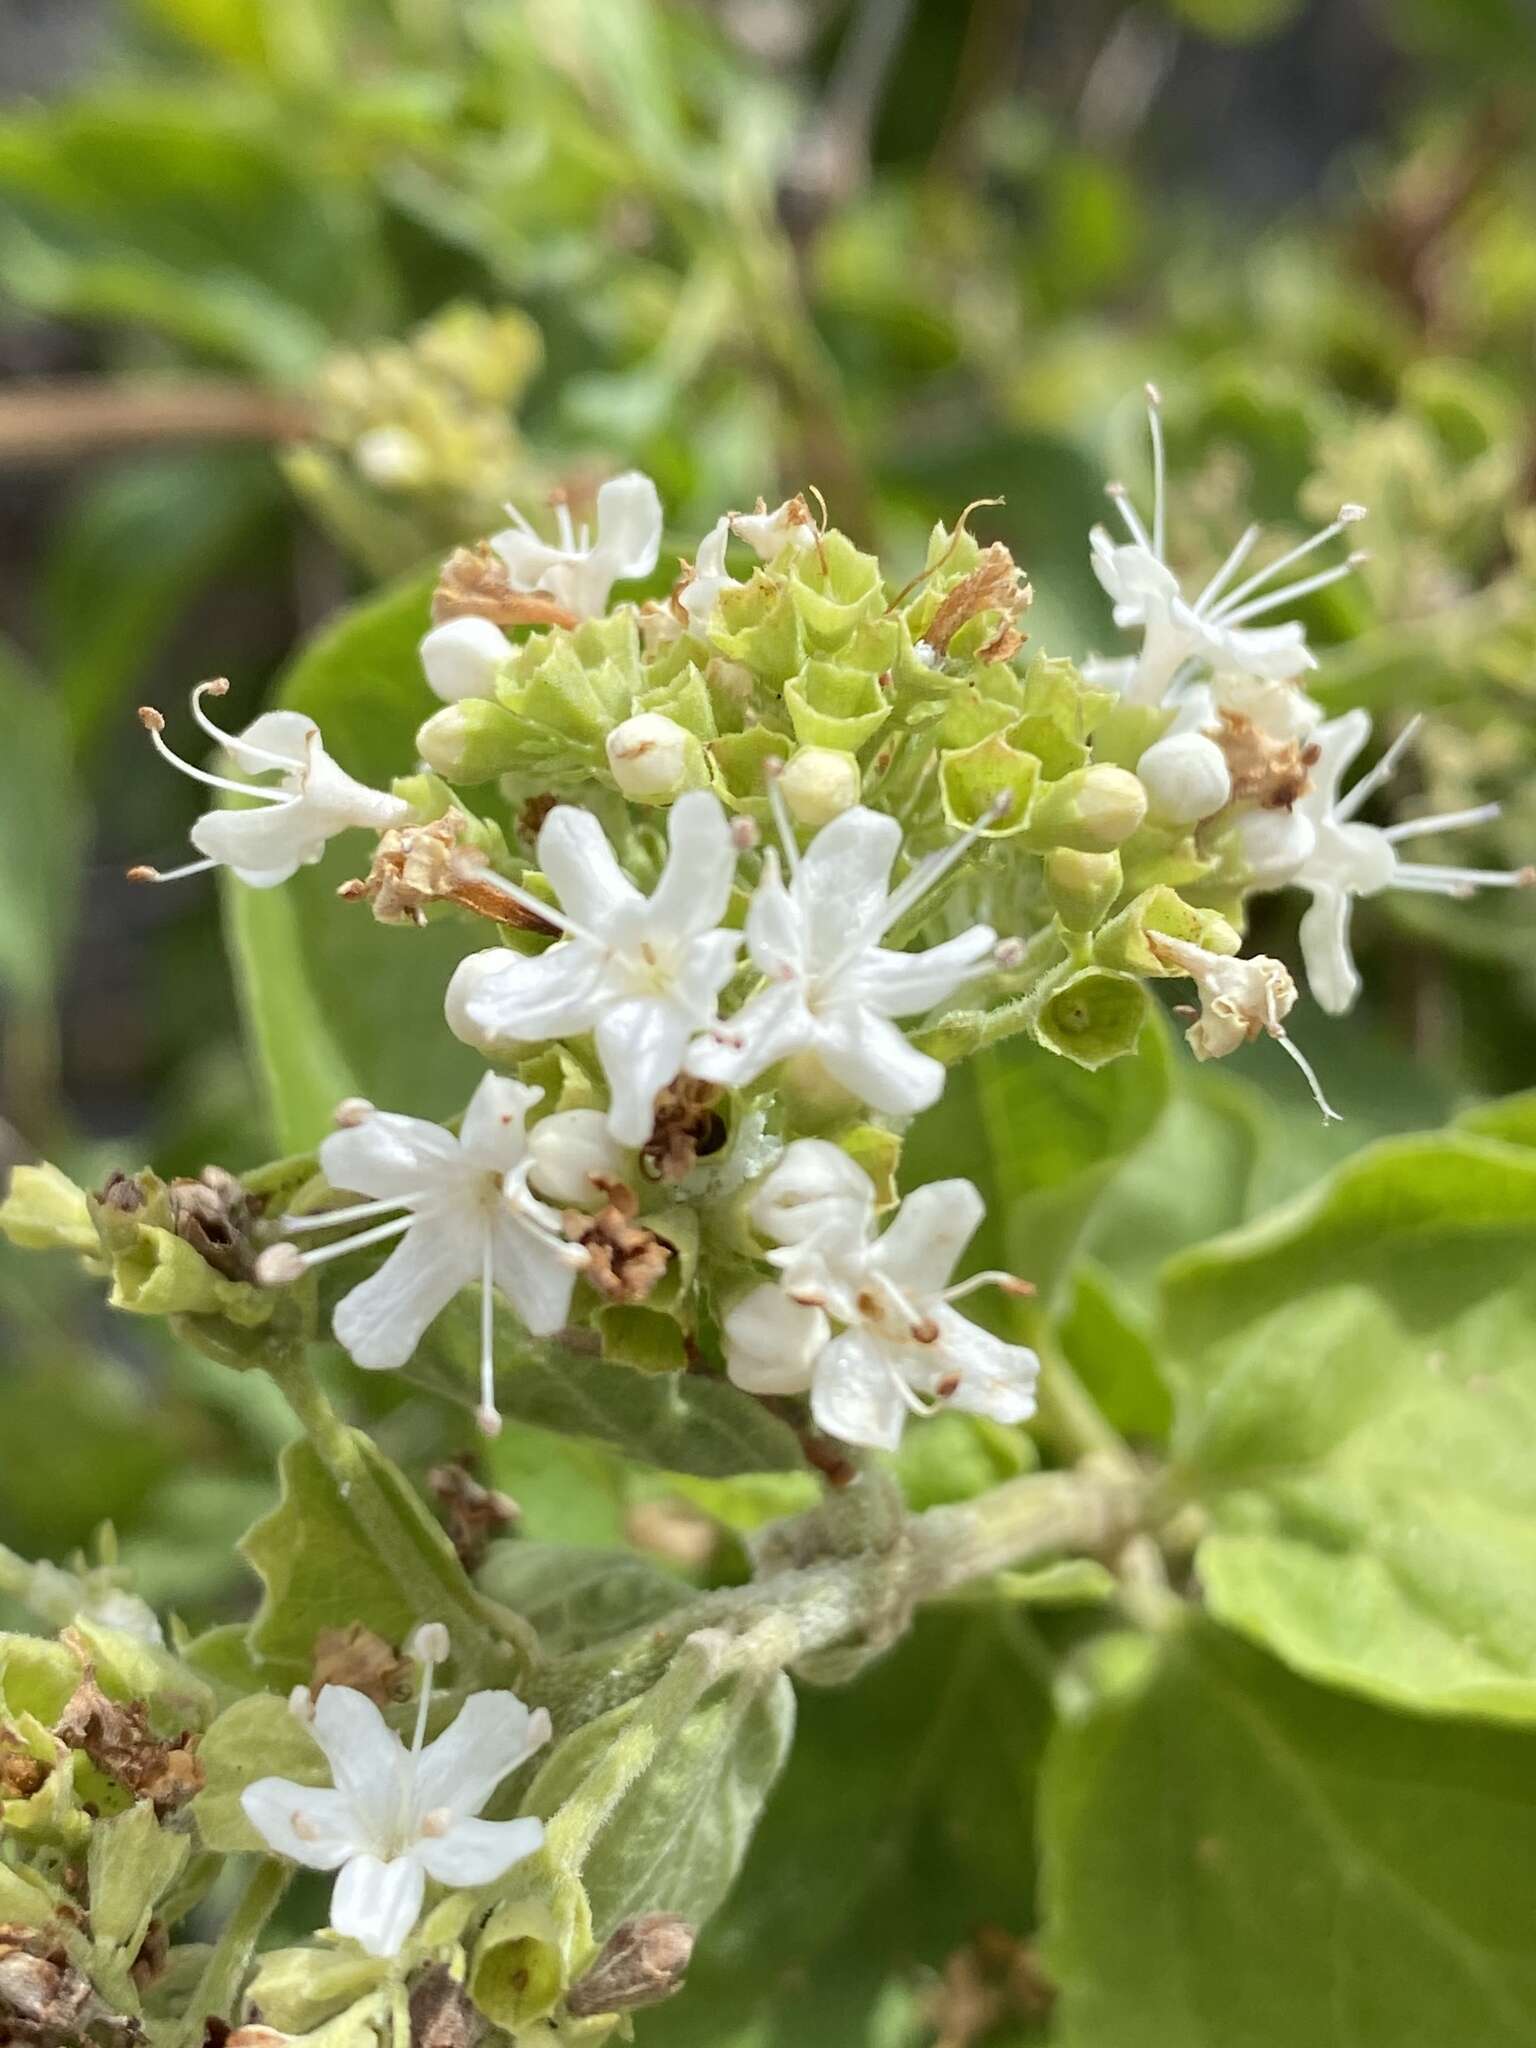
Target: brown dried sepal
641,1963
475,1515
686,1128
442,2015
45,2000
996,584
624,1259
214,1214
356,1657
1271,773
119,1741
149,1965
994,1979
476,584
21,1775
414,865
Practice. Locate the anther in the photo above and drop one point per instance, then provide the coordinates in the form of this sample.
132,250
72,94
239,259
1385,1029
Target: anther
280,1265
351,1111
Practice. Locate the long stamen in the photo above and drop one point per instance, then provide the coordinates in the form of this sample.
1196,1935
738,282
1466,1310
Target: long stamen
779,810
1348,515
1294,1052
1129,514
1289,595
1459,881
154,724
192,867
912,1401
520,521
328,1219
563,526
930,872
1010,1283
1445,821
219,687
486,1415
325,1252
526,900
1159,467
1229,567
1385,768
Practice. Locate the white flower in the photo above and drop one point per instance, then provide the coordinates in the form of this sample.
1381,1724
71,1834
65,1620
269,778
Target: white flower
650,756
766,532
902,1349
1212,628
579,572
470,1216
463,657
393,1817
1238,999
641,973
1340,859
709,575
310,803
832,988
1186,778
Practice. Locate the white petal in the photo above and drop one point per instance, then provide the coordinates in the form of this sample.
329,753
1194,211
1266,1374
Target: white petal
1337,743
873,1061
478,1851
842,882
492,1733
767,1028
339,799
930,1230
503,998
775,931
641,1043
288,734
629,525
537,1273
582,868
492,1134
1275,844
854,1396
279,1809
695,884
380,1323
567,1149
364,1754
1331,973
463,657
388,1156
772,1343
262,847
377,1903
814,1183
996,1379
902,984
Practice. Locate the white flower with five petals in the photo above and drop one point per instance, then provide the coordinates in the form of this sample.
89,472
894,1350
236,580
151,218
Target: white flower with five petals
902,1348
392,1817
470,1215
641,973
577,571
291,820
1337,858
832,990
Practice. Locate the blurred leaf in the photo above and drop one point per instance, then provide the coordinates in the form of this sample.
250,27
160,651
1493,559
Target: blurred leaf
1237,21
1235,1857
574,1597
1109,1346
1356,1377
42,835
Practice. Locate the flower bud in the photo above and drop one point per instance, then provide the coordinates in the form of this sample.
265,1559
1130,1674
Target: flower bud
819,784
1092,810
392,458
472,740
813,1183
567,1150
654,759
1186,778
641,1963
1082,887
463,658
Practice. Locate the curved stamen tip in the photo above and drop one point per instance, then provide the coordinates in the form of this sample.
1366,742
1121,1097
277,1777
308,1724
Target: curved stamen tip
430,1644
1114,489
1525,878
1010,1283
925,1331
1154,396
773,767
488,1421
744,834
351,1111
143,873
216,686
1358,559
999,807
151,719
1008,954
1350,515
280,1265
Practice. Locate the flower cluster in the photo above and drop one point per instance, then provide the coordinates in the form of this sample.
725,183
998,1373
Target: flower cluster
758,857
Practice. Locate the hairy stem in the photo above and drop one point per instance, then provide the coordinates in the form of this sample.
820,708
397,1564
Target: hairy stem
224,1974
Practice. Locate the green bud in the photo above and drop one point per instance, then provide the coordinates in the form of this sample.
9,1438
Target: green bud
1092,810
1082,886
1092,1017
45,1212
471,741
819,784
972,779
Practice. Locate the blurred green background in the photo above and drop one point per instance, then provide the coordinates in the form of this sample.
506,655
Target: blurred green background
295,293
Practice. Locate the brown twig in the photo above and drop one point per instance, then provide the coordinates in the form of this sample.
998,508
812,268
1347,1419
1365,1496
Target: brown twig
54,420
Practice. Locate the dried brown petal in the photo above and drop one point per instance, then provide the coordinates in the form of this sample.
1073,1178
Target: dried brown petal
442,2015
475,1515
20,1773
686,1128
624,1259
117,1738
995,584
213,1214
476,584
641,1963
414,865
356,1657
1270,772
44,1999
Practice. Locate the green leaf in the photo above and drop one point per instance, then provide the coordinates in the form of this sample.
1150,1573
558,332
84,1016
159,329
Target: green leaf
677,1838
42,836
916,1784
132,1862
573,1597
323,1566
1236,1859
256,1738
1355,1383
1110,1347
